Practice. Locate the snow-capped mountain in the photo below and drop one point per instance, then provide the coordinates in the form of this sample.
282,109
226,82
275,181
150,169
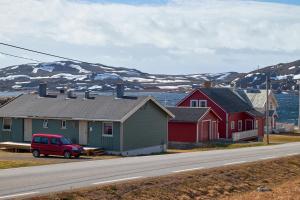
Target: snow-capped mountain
84,76
283,76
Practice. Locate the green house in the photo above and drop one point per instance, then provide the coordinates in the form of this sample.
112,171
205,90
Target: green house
120,125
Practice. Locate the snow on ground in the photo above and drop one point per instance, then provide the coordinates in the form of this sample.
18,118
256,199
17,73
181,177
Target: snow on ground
297,76
70,76
137,79
249,75
173,87
47,68
12,77
223,76
104,76
94,87
20,83
16,86
80,69
293,67
15,67
171,81
107,68
128,72
198,76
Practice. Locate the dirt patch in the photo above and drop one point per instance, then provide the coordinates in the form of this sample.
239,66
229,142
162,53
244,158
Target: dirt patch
203,184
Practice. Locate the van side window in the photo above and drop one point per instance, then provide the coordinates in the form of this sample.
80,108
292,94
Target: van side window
54,141
37,140
44,140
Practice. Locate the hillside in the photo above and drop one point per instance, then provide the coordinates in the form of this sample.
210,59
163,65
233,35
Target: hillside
83,76
283,76
98,77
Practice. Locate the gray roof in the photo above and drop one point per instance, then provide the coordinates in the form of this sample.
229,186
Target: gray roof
256,113
103,108
227,99
187,114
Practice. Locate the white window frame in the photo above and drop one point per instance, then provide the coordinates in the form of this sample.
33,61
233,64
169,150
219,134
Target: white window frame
205,102
45,123
62,124
232,125
240,125
112,129
9,124
192,101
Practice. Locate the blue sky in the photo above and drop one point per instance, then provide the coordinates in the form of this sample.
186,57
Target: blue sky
158,36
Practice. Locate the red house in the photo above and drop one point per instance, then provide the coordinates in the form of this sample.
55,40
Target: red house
193,125
240,121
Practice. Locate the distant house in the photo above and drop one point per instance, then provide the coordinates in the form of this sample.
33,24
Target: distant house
193,125
118,124
240,121
258,99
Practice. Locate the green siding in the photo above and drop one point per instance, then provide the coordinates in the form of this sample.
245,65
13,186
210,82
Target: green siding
145,128
54,127
16,133
95,138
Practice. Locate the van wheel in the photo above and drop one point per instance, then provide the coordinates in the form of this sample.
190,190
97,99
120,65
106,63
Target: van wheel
36,153
67,155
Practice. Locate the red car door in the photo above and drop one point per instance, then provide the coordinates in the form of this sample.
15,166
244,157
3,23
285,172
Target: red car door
55,146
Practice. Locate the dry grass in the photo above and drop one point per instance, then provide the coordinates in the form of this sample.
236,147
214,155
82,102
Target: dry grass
13,160
288,191
274,139
202,184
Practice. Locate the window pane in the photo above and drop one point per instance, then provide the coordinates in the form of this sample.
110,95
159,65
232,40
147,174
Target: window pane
7,123
44,140
108,129
54,141
37,140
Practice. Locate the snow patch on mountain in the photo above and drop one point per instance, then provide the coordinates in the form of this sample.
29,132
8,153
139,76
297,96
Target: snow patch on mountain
80,69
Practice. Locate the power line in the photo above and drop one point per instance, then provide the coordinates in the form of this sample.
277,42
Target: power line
40,52
21,57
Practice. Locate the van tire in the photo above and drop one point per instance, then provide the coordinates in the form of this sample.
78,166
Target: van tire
67,155
36,153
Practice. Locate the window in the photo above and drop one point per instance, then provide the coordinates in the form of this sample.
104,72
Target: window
54,141
256,124
194,103
45,123
270,106
107,129
240,125
232,125
63,124
40,140
65,140
7,124
202,103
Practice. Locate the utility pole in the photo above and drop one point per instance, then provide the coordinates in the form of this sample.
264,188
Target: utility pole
299,104
267,108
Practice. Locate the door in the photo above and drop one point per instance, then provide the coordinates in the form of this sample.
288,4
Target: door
206,131
83,132
249,124
214,131
27,130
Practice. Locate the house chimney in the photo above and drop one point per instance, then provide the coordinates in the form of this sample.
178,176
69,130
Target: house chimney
207,84
43,90
87,94
71,94
120,90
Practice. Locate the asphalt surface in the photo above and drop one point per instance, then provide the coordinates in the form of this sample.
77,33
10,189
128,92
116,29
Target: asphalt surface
31,181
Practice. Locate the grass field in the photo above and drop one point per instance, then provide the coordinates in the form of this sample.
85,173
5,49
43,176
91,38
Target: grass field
274,139
225,182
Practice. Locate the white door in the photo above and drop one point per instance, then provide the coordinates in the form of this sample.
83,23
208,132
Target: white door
83,132
27,130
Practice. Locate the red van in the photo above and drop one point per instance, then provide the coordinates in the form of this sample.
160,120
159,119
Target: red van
54,144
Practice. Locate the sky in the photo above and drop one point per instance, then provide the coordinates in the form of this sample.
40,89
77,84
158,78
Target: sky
158,36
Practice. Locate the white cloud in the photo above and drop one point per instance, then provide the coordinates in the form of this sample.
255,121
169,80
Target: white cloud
183,31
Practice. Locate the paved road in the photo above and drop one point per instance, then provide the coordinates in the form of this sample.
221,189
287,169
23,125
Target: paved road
30,181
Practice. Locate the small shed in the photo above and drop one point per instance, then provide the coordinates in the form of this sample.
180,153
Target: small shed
193,125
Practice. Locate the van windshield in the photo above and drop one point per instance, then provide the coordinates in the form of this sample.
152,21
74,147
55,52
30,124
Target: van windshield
65,140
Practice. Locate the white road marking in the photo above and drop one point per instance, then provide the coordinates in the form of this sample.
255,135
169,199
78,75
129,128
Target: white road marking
185,170
117,180
266,158
17,195
234,163
292,154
